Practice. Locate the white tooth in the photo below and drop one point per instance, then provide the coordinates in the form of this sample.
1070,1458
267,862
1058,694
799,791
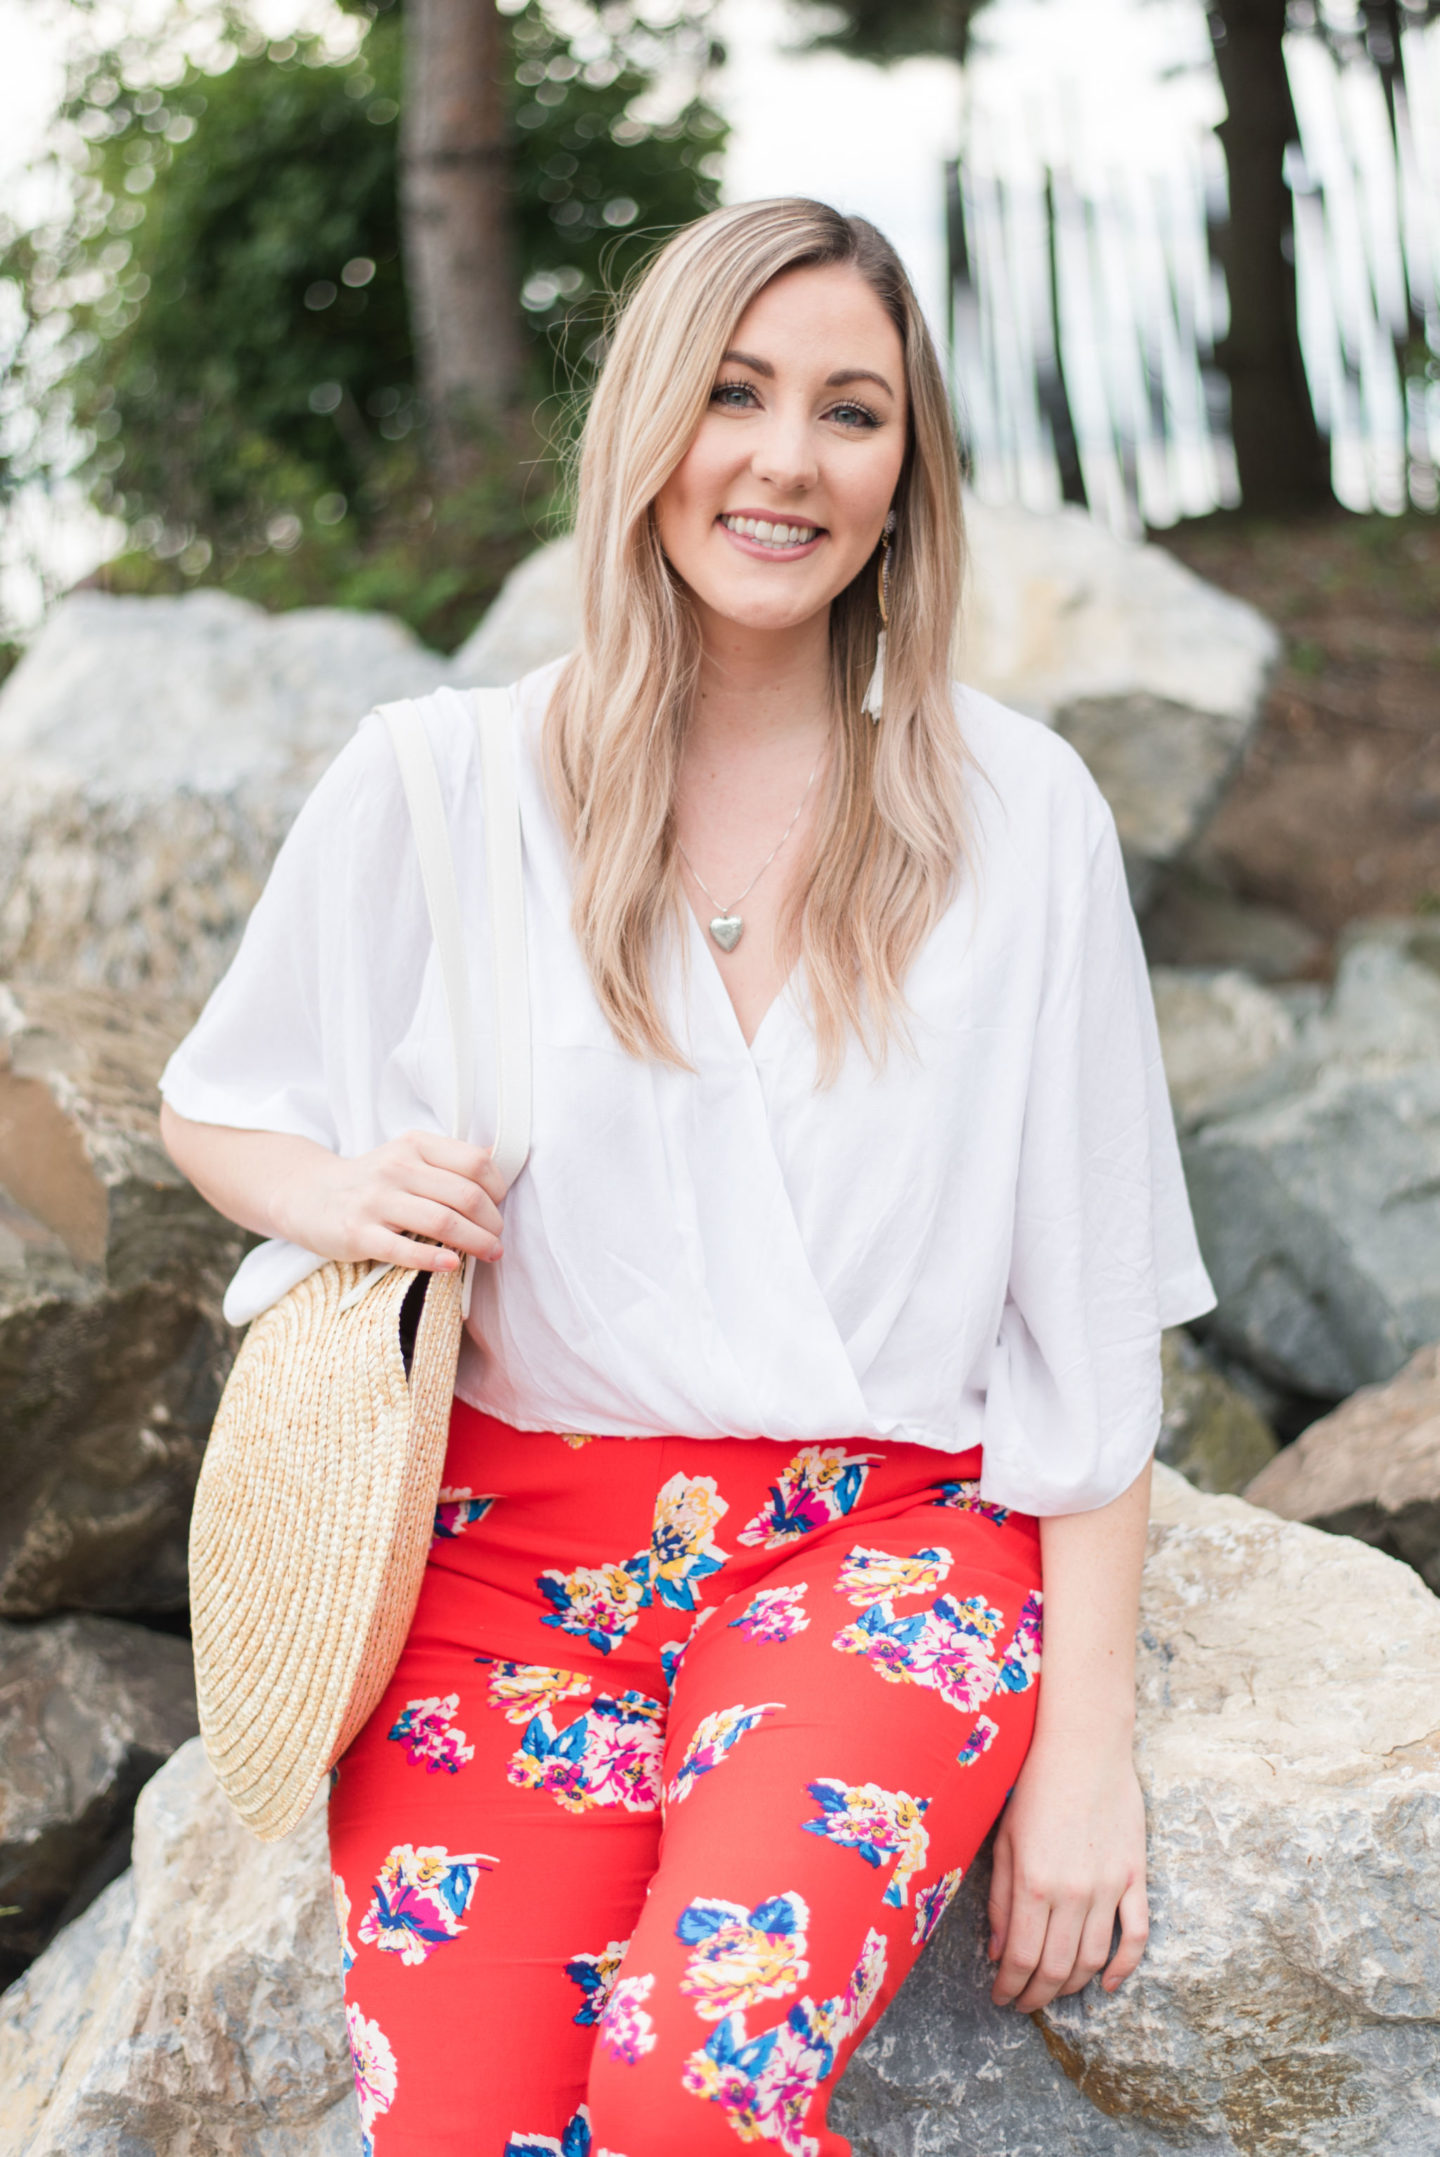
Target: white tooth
764,530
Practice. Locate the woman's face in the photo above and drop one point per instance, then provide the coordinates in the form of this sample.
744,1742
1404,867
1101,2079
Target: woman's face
780,499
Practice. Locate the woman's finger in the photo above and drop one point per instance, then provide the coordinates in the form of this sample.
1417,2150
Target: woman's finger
1093,1952
461,1159
1001,1876
1056,1958
1134,1916
383,1247
1024,1944
408,1215
457,1192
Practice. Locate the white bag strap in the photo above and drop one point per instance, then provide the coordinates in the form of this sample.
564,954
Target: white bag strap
505,879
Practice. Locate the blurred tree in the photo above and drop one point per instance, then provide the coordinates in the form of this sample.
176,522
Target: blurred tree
1281,456
215,334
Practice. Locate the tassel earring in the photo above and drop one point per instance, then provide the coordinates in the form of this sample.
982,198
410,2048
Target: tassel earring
873,700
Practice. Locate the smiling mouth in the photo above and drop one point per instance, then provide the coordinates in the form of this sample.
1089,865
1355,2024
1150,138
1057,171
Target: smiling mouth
782,538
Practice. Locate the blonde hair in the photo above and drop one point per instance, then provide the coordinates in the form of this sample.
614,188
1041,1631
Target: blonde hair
889,827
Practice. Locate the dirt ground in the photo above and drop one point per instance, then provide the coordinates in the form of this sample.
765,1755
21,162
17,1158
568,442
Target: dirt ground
1335,813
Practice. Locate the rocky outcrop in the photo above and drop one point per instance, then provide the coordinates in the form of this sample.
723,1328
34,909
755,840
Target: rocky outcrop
1289,2005
89,1709
1191,920
155,752
1209,1431
1218,1033
1371,1469
112,1349
195,2007
1317,1198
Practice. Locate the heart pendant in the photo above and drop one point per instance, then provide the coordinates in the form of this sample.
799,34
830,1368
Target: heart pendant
727,930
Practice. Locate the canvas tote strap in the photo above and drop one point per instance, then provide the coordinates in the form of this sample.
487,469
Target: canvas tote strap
504,874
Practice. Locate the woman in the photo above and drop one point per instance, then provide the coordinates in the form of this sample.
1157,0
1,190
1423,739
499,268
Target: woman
825,1316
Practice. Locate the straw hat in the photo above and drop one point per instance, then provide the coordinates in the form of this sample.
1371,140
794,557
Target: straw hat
312,1521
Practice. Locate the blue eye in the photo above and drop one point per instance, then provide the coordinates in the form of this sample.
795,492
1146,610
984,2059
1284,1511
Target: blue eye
733,396
854,415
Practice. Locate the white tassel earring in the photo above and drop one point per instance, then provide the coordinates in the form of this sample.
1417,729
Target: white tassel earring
873,700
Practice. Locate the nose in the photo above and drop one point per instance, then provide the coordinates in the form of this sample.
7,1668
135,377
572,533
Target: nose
784,453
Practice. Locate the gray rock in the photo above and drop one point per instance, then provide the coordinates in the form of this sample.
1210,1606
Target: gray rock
1192,921
195,2010
1318,1200
89,1709
1289,2003
112,1349
155,752
534,617
1218,1033
1371,1469
1209,1432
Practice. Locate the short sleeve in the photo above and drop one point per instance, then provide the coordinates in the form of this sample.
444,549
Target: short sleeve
1104,1253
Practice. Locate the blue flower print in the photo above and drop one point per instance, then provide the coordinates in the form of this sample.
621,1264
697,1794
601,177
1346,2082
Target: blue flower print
1021,1662
595,1975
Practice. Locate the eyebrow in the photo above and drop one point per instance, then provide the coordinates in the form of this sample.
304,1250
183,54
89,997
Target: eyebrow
839,380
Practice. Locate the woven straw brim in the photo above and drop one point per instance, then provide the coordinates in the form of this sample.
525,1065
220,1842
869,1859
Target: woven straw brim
312,1522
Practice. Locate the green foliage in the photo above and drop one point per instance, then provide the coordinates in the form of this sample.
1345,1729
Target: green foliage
223,313
897,29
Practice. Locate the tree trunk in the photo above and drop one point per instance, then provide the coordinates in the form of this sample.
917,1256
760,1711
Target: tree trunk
1282,459
455,208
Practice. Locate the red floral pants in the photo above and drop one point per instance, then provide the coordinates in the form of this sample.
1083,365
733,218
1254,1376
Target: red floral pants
687,1752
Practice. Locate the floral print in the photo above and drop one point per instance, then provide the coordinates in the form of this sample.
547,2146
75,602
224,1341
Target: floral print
932,1902
457,1510
683,1552
627,2032
523,1688
419,1900
819,1485
765,2085
870,1576
743,1956
610,1755
979,1742
425,1729
342,1919
774,1614
947,1648
1021,1665
375,2075
966,1498
714,1735
672,1655
574,2141
598,1603
595,1975
575,1439
879,1824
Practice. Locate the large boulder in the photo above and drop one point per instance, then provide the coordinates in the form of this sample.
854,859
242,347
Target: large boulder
112,1347
1370,1469
155,752
1218,1033
1210,1432
1317,1195
89,1709
1289,2005
196,2007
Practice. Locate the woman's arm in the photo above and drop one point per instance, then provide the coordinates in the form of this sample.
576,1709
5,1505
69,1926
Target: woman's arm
1070,1853
419,1185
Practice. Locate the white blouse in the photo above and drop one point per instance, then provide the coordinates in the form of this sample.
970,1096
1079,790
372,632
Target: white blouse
975,1244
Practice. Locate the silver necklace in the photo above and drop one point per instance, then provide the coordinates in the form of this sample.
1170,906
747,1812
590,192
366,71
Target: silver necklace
728,926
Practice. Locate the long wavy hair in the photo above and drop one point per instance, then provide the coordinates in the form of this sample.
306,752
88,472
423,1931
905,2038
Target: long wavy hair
889,827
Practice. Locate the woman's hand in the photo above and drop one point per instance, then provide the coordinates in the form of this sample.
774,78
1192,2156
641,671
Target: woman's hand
1069,1858
419,1186
376,1206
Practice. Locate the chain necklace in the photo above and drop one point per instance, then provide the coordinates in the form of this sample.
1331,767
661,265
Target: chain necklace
728,926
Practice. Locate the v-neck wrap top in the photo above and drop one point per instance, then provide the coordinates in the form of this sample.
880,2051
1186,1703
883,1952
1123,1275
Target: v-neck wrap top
976,1241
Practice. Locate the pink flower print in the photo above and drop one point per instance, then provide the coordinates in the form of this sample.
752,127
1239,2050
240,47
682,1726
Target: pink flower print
375,2076
595,1603
573,2141
672,1654
522,1689
947,1648
879,1824
1021,1664
456,1510
774,1614
610,1755
595,1975
743,1956
683,1553
425,1730
979,1742
713,1738
872,1576
419,1899
342,1920
932,1902
820,1485
966,1498
626,2031
765,2085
